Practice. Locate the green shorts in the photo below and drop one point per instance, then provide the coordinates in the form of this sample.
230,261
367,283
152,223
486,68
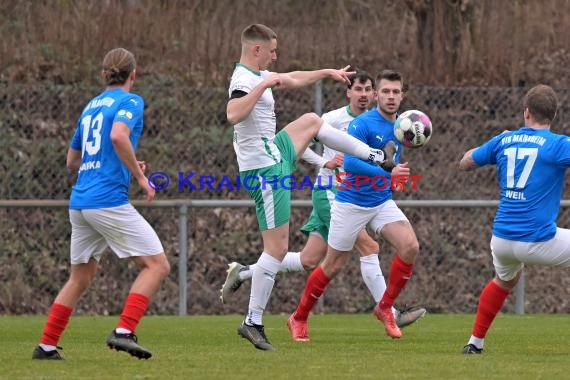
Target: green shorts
320,218
268,187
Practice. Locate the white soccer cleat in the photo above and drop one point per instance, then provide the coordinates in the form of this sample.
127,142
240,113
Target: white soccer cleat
233,282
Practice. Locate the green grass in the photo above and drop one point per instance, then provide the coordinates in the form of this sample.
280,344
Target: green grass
341,347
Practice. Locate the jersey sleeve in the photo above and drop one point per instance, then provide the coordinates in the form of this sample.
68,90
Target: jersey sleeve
130,111
240,82
485,154
563,151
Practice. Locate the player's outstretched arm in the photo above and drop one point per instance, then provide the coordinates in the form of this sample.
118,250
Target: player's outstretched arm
296,79
467,162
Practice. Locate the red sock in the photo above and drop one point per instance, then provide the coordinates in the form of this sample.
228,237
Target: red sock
57,321
135,307
400,273
316,285
491,301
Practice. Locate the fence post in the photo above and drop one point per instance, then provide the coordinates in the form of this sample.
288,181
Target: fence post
183,260
519,295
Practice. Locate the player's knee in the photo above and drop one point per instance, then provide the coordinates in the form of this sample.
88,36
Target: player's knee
311,117
368,248
313,121
309,263
333,265
157,264
163,266
508,284
81,283
410,251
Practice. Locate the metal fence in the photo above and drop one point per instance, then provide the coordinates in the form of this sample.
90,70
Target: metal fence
186,131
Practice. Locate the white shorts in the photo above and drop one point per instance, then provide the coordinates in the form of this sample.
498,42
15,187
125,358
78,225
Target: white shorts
347,220
121,228
509,256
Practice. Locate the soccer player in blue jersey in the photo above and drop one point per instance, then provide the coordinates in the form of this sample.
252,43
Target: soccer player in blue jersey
531,164
103,152
365,198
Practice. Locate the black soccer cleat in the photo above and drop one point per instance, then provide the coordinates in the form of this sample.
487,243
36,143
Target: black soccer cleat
40,354
471,349
256,335
127,343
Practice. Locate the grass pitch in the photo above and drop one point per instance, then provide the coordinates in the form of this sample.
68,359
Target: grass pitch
341,347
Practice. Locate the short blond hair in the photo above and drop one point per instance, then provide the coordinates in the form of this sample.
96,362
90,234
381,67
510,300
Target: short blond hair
257,32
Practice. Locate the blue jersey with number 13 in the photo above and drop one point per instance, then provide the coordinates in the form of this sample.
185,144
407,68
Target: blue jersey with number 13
103,180
531,164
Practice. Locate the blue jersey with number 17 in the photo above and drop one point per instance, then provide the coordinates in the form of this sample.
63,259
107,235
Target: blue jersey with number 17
531,164
103,179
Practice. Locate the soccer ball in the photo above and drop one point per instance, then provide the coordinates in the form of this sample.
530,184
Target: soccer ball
413,129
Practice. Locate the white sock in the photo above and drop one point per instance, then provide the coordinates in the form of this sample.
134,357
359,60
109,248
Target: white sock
47,347
262,282
122,330
292,263
246,274
372,275
343,142
477,342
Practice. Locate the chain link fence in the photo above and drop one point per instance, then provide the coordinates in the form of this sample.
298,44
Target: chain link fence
186,132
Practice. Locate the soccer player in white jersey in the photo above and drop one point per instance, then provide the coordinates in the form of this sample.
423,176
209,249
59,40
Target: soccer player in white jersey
531,165
103,152
264,157
365,204
360,92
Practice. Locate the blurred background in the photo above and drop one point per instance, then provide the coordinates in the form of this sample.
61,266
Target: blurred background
467,64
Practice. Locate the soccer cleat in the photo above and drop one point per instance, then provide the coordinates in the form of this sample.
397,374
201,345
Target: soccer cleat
233,282
472,349
299,329
390,153
386,316
127,343
256,335
40,354
407,316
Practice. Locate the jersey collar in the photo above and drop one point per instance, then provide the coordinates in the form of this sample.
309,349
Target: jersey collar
248,68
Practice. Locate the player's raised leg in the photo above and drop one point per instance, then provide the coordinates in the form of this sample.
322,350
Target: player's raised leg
309,126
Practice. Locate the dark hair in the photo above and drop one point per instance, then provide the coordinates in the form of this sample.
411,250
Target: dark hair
117,66
257,32
360,76
542,103
390,75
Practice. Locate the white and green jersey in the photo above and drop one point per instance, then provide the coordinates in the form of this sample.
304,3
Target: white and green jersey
339,119
253,136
